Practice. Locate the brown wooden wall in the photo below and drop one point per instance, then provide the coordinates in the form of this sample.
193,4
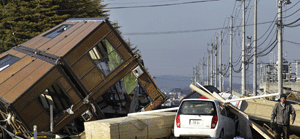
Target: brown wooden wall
30,107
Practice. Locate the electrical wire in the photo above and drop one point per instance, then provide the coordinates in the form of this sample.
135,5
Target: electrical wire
158,5
292,42
292,14
289,24
291,6
186,31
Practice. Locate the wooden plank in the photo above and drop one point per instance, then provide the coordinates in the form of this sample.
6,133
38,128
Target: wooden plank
260,130
116,42
82,66
16,67
62,46
25,84
15,53
31,111
39,43
60,37
66,118
40,36
14,80
87,43
124,52
263,109
92,79
66,86
241,115
51,29
42,122
151,126
74,97
20,55
30,42
103,129
36,90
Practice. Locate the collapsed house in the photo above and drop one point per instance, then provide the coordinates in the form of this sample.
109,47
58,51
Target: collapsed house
80,70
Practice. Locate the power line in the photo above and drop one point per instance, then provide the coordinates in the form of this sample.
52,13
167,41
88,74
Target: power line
186,31
291,6
292,42
158,5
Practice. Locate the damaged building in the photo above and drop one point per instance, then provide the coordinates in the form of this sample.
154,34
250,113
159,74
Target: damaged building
80,70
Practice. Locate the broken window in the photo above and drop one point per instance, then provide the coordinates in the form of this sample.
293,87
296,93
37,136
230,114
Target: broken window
54,95
105,56
7,61
57,31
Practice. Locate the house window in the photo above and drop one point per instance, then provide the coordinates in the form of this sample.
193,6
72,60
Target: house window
7,61
54,95
105,56
57,31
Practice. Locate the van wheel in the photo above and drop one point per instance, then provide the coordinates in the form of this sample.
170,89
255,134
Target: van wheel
222,134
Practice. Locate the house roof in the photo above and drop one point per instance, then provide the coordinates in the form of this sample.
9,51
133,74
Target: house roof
31,60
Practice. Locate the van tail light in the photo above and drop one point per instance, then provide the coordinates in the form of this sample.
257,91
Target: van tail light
214,121
178,121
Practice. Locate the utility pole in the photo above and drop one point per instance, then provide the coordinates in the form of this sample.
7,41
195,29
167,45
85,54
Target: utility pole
208,58
196,75
243,54
223,80
202,71
255,50
211,64
230,59
220,62
216,64
279,38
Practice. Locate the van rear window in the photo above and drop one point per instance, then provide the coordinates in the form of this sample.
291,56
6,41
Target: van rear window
197,108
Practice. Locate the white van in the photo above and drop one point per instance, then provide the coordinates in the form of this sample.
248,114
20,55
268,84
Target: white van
203,118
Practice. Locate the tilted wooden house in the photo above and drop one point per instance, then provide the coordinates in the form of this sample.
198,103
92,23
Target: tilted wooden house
83,68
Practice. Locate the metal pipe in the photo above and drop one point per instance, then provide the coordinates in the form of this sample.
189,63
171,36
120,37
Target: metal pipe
51,117
35,132
153,111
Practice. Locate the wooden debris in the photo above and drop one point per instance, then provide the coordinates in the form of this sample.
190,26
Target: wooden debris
154,125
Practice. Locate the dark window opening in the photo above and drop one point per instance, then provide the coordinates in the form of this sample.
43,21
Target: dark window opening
7,61
197,108
105,56
57,31
54,95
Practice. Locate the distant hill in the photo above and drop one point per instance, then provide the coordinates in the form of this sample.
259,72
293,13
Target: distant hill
168,82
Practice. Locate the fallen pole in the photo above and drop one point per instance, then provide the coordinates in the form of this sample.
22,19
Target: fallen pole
246,98
153,111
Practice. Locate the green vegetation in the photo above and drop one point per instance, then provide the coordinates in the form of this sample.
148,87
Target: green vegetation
28,18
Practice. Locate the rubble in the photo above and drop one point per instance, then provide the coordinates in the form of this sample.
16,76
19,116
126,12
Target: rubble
83,69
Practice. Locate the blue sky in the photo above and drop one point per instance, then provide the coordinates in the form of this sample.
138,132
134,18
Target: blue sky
177,53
